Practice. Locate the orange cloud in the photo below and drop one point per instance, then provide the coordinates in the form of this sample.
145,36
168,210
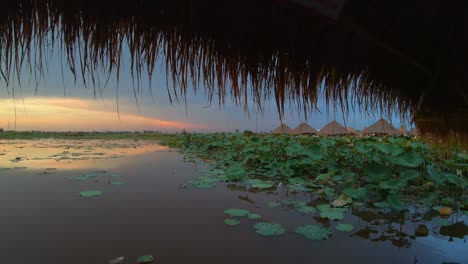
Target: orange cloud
56,114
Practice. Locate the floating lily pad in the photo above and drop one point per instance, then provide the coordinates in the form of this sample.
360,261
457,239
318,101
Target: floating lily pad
342,200
306,209
442,222
117,183
231,221
344,227
273,204
203,184
269,229
314,232
357,194
254,216
90,193
332,215
236,212
145,259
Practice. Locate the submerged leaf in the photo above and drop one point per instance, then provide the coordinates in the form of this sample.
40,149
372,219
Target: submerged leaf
269,229
314,232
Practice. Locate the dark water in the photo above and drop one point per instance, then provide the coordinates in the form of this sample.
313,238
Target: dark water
44,220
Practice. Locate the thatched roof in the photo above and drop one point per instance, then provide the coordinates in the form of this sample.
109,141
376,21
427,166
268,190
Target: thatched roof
384,55
381,127
304,128
414,132
333,129
282,129
351,130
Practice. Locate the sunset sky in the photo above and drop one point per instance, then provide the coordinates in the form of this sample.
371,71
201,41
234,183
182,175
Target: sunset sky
60,105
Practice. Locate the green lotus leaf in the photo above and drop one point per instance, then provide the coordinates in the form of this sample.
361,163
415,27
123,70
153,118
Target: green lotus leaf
395,184
236,173
269,229
332,215
314,232
395,203
315,152
90,193
442,222
344,227
306,209
358,194
377,172
342,200
298,188
145,259
389,148
203,184
117,183
236,212
254,216
411,175
409,159
231,221
294,181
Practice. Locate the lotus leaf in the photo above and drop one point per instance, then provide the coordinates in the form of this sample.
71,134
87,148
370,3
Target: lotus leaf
254,216
395,184
344,227
236,212
145,259
442,222
236,173
90,193
377,172
269,229
231,221
117,183
332,215
314,232
342,200
395,203
294,181
306,209
389,148
409,159
358,194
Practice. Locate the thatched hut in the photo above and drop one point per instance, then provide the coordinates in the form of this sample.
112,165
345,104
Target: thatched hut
292,49
381,128
304,129
333,129
282,129
351,130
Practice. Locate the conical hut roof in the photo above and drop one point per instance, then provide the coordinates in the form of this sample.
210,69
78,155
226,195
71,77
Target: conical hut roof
282,129
304,128
351,130
333,129
381,127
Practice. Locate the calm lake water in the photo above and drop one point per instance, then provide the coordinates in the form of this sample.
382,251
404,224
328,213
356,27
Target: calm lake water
43,219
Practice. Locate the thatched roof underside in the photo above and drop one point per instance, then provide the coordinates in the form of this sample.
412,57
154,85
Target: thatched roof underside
282,129
384,55
304,128
333,129
381,127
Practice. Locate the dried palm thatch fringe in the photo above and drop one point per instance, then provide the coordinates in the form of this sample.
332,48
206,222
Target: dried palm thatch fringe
377,54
